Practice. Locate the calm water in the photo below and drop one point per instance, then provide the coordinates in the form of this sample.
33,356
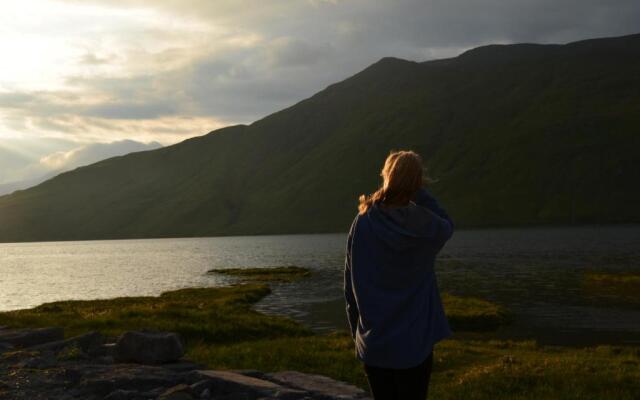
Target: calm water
536,272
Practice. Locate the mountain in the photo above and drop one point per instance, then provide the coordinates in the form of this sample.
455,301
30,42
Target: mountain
516,134
10,187
34,168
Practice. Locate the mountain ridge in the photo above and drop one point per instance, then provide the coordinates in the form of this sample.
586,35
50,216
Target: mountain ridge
512,142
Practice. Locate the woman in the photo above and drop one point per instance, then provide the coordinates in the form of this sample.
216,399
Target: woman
393,303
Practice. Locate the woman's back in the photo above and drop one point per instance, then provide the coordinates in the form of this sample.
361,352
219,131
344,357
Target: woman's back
393,302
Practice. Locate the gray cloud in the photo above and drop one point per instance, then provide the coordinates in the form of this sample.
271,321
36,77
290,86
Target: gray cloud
300,48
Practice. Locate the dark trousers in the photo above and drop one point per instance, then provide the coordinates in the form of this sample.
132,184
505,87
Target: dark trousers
400,384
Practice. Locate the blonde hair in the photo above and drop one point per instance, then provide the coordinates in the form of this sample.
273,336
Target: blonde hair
402,175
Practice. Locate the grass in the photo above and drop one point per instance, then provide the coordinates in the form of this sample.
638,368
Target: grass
265,274
473,314
618,289
216,315
615,279
463,369
221,330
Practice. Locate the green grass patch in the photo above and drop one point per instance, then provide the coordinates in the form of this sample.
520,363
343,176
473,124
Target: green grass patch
473,314
615,279
221,330
216,315
463,369
265,274
615,289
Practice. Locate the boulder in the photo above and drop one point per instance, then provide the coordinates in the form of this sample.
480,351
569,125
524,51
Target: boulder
30,337
184,366
103,380
146,347
318,385
43,361
227,382
121,395
201,386
4,347
178,392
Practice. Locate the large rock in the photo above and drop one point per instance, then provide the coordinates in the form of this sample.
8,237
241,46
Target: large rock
319,385
30,337
146,347
104,380
43,361
229,382
178,392
4,347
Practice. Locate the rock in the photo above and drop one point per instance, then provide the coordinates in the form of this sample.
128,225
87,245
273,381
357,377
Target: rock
71,376
250,372
178,392
201,386
226,382
30,337
121,395
5,347
183,366
103,380
317,385
107,349
291,394
46,360
88,343
104,360
148,347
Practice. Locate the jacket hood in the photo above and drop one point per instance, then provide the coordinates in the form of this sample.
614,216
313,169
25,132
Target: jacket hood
402,228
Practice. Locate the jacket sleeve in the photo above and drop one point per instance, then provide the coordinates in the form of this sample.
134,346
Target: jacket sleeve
444,224
351,305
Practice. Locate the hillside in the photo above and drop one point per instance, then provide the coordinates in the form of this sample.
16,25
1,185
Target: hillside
516,134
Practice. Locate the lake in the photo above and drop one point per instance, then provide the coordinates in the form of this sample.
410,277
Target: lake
538,273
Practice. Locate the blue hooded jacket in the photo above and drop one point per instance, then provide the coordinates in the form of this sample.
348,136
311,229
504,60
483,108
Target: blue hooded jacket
392,299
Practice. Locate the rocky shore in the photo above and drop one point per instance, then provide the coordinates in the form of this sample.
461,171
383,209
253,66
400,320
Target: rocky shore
39,363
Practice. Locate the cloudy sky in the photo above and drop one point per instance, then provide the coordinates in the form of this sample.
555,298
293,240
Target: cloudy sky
79,72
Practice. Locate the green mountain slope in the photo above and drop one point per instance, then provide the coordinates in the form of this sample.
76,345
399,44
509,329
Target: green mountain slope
516,135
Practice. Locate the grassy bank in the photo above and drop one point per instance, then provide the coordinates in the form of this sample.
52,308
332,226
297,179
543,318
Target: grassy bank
626,279
221,329
215,315
616,289
472,314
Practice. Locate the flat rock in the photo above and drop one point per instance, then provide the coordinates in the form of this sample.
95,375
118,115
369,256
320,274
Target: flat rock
121,395
184,366
178,392
106,379
147,347
44,361
318,385
4,347
30,337
229,382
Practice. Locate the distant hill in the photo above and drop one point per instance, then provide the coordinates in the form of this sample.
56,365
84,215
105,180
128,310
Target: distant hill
37,168
516,134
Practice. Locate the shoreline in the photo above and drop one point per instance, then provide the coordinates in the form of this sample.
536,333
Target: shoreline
222,331
470,228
